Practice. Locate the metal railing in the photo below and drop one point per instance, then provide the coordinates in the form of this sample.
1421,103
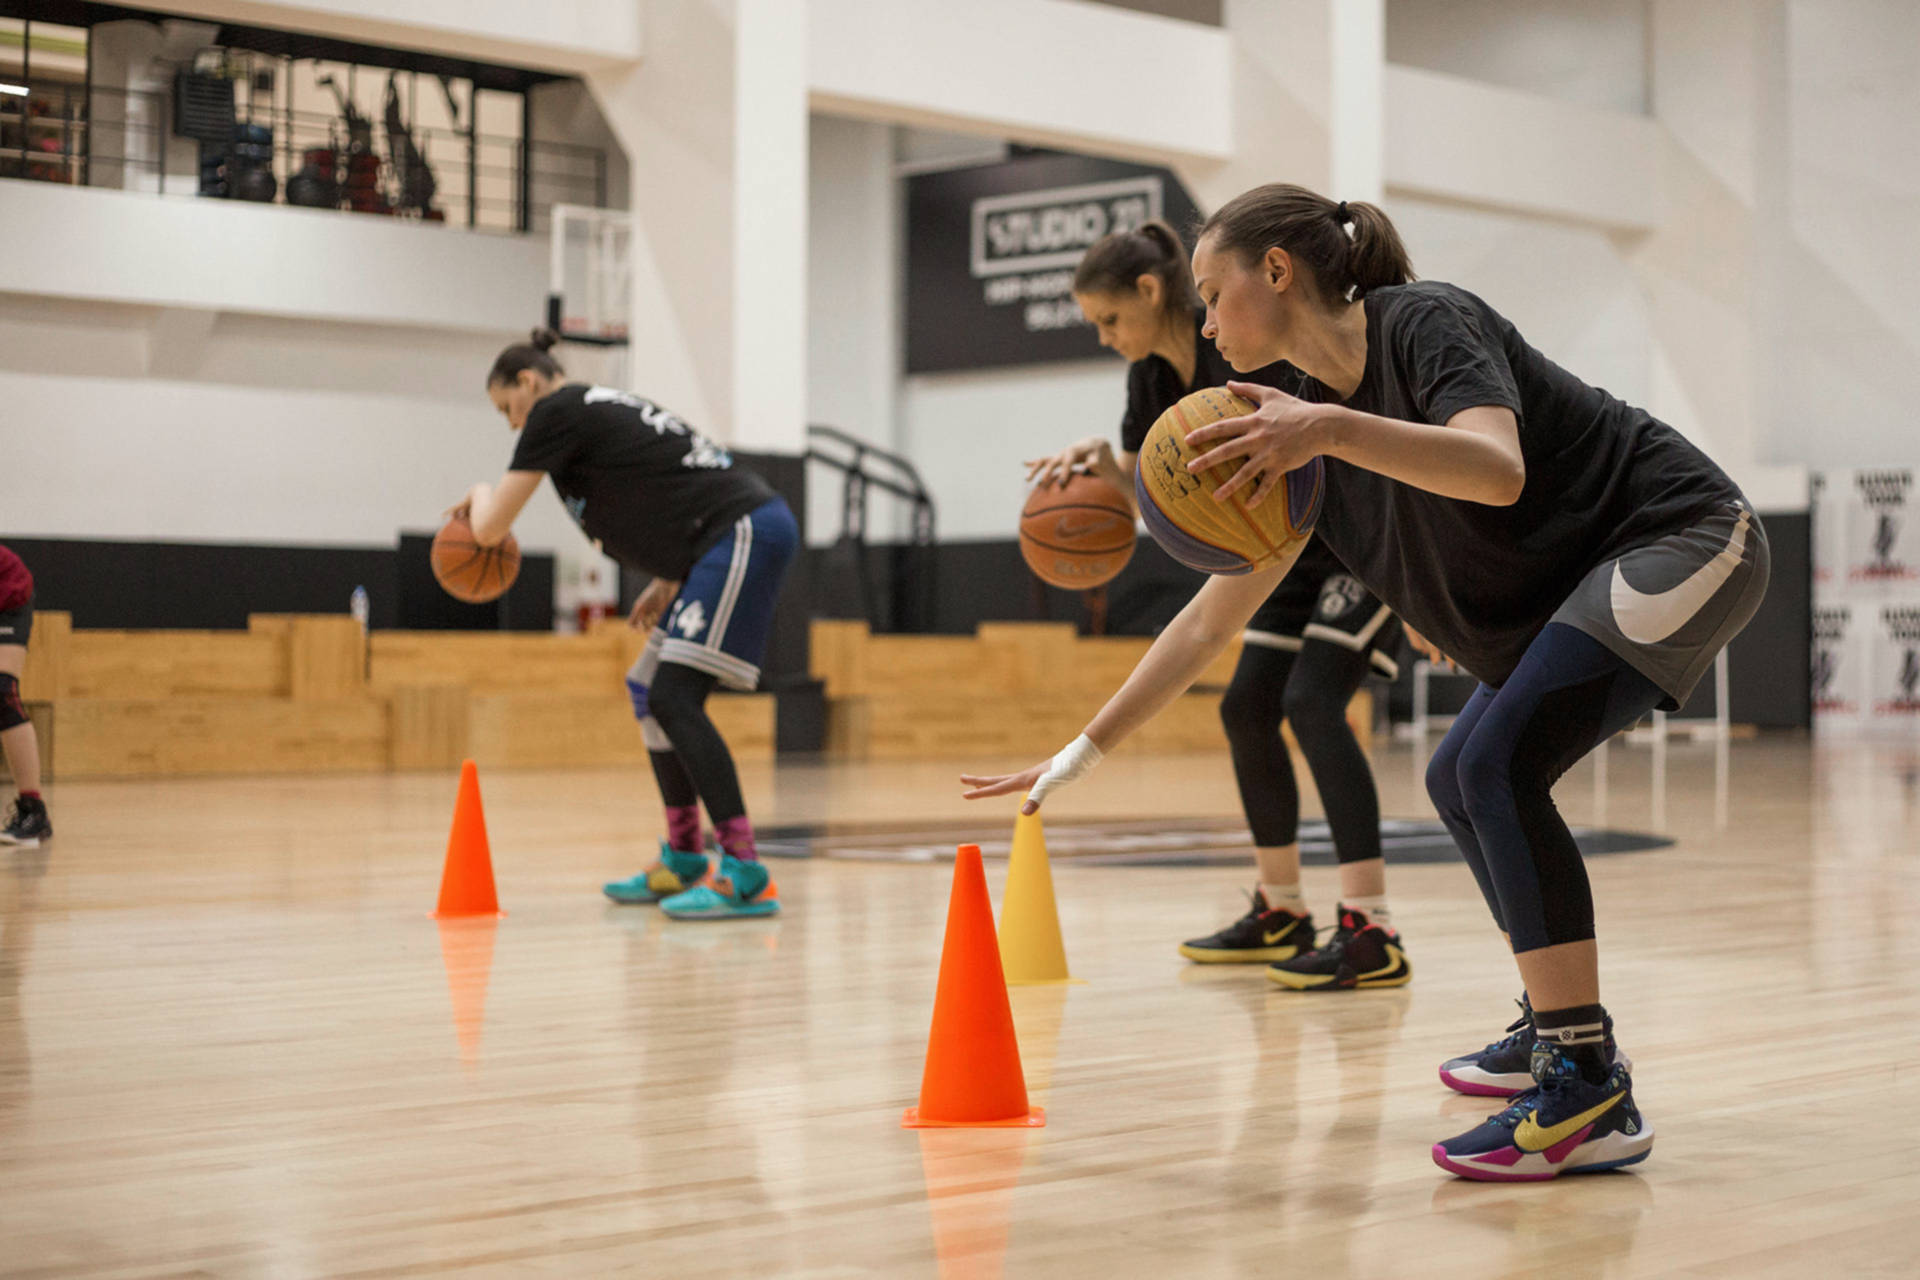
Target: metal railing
912,587
96,136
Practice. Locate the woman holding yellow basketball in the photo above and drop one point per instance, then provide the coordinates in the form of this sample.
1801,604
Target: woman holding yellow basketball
1304,652
1580,557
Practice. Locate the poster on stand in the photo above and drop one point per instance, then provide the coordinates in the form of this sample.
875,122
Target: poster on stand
1895,690
1882,516
1842,653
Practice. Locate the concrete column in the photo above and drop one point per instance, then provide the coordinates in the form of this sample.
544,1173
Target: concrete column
714,123
1356,115
770,166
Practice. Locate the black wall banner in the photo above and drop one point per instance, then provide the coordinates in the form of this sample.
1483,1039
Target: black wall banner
991,252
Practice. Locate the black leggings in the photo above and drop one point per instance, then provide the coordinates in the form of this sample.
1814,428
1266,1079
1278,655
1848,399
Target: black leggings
1310,690
1492,776
699,768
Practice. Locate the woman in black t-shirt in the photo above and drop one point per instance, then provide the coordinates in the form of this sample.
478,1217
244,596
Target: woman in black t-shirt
1578,556
1303,655
716,540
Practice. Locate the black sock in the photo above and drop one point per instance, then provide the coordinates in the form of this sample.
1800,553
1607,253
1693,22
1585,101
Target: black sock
1582,1033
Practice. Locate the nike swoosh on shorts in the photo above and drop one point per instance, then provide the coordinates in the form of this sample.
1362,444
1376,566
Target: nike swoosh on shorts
1650,617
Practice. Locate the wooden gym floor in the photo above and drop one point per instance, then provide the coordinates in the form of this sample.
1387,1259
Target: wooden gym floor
233,1044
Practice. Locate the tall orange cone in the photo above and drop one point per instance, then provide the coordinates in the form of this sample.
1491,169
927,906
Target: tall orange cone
1031,952
466,882
973,1077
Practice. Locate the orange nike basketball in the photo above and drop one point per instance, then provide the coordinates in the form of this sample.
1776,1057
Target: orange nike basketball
1077,536
1179,508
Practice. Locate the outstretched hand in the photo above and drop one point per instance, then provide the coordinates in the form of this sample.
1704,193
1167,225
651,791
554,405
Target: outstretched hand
984,785
1277,437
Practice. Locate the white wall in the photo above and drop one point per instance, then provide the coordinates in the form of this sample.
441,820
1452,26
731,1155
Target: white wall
1589,52
1846,263
853,297
1039,71
969,433
226,255
244,428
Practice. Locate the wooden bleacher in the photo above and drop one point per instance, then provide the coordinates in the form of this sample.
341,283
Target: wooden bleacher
309,694
1011,689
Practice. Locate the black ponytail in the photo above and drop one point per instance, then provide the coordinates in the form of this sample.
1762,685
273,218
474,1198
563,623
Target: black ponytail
1313,229
1115,263
531,354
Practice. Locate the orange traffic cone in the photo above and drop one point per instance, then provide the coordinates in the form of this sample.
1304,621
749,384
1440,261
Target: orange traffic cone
973,1077
466,882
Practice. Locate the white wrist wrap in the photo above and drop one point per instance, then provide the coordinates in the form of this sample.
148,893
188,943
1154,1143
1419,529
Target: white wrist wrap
1075,761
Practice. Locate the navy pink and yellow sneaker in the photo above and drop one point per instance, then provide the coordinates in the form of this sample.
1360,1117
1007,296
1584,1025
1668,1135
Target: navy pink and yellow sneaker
1564,1124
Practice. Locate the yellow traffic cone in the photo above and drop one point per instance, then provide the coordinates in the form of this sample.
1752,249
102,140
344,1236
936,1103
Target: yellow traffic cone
1031,952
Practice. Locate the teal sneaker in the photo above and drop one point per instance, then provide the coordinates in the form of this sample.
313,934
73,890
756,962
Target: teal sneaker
740,889
676,872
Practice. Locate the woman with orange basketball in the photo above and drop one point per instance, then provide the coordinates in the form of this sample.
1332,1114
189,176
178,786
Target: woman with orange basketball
1580,557
716,540
1303,654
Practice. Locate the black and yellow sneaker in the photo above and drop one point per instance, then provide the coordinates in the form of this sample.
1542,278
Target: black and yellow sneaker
1261,936
1360,954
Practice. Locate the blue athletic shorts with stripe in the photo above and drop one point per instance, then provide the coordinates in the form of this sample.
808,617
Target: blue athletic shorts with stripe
720,621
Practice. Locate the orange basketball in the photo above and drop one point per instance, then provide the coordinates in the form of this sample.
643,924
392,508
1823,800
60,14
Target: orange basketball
1079,536
470,571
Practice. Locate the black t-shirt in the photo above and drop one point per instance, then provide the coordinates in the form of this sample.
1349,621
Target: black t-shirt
653,491
1602,477
1154,386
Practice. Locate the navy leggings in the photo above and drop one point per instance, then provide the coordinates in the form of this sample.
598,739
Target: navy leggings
1493,772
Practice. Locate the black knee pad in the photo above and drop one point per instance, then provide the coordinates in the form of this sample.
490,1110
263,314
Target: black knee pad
13,712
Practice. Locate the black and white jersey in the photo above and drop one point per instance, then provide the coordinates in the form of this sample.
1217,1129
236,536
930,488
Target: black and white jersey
648,487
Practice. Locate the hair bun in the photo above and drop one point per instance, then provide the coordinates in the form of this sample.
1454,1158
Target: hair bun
545,339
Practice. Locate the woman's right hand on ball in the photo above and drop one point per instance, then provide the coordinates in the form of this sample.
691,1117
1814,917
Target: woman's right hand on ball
1093,454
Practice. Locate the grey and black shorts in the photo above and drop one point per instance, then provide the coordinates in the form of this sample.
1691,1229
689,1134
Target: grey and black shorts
1667,608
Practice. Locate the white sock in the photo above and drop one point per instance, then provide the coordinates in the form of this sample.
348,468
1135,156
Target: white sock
1374,908
1284,897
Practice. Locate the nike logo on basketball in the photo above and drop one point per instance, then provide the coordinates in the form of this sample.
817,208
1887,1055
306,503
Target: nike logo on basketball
1650,617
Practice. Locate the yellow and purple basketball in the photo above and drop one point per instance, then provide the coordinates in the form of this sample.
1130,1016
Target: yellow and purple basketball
1179,508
